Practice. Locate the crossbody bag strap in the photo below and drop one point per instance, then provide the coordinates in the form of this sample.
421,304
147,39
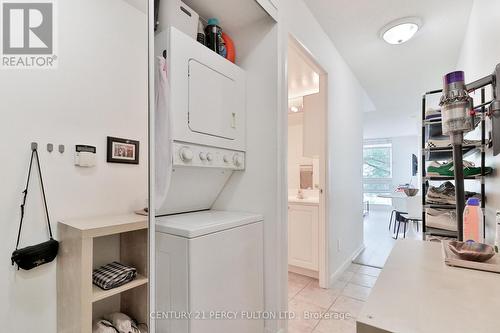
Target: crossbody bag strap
34,154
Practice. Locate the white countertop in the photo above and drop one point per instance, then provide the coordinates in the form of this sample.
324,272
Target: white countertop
417,293
307,201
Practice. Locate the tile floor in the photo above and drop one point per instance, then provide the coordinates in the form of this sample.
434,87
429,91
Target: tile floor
346,296
378,239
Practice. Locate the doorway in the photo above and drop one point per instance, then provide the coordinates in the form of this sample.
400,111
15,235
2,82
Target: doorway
307,172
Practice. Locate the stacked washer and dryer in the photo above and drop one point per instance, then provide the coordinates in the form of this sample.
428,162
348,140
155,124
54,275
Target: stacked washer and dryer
209,264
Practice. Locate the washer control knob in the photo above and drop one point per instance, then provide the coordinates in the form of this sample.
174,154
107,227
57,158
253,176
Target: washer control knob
226,159
203,156
186,154
237,160
209,157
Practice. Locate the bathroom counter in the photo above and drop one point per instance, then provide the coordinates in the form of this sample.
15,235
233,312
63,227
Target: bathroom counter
417,292
305,201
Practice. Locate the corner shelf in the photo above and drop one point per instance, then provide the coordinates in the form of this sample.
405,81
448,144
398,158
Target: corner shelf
86,244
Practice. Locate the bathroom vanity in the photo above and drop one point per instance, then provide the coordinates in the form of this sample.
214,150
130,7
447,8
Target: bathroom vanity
303,235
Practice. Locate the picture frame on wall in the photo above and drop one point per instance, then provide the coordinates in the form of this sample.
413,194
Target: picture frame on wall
122,150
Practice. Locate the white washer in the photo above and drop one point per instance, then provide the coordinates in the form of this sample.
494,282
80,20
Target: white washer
209,263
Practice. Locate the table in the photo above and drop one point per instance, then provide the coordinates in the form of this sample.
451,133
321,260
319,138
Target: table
403,203
417,293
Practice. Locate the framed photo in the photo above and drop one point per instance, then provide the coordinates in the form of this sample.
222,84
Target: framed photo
123,151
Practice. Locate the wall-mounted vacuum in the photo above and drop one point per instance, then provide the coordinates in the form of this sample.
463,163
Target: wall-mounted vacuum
458,118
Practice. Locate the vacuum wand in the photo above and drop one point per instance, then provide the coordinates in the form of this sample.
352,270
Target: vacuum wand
457,119
459,188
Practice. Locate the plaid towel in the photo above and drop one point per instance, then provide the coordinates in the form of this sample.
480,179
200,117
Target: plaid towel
113,275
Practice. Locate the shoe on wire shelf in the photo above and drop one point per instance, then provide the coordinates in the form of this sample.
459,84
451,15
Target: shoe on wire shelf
446,143
446,169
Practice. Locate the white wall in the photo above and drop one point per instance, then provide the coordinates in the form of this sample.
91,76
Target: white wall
346,103
402,149
479,56
99,89
379,124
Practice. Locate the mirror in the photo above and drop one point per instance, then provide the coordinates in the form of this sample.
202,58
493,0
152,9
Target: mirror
306,177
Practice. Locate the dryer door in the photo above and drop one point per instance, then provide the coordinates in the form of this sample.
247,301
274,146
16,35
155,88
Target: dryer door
213,101
207,95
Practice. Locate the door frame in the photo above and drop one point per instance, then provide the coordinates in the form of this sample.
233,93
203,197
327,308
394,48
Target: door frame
324,269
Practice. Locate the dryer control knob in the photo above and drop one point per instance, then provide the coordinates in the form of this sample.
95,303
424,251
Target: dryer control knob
209,157
203,156
237,160
186,154
226,159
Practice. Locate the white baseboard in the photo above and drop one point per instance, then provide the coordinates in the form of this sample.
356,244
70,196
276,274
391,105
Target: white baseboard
345,265
303,271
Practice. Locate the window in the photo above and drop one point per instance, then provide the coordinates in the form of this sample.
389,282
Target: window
377,171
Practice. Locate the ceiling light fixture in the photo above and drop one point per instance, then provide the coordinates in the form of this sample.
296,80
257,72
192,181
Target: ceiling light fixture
400,31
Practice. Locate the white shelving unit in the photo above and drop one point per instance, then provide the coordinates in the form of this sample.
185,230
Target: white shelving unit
78,300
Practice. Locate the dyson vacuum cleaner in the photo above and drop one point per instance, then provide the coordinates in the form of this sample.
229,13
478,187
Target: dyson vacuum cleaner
458,115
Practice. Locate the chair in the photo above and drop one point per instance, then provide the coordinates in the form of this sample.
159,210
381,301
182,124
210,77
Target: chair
392,217
405,219
413,214
398,205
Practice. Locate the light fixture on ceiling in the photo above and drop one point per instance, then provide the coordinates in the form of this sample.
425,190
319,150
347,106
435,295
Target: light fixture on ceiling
401,31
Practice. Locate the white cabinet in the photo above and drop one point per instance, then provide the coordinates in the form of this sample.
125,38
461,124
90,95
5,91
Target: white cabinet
303,236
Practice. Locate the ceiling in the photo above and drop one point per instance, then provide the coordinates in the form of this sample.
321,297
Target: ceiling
302,78
395,76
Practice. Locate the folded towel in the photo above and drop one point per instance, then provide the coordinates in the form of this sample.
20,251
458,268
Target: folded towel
113,275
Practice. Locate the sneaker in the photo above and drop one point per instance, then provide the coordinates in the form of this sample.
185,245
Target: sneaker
446,169
433,114
433,143
441,219
445,194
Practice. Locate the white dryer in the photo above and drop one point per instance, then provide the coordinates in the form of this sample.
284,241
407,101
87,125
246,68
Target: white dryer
200,128
209,272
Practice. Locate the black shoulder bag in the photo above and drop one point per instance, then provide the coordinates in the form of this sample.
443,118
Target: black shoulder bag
35,255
